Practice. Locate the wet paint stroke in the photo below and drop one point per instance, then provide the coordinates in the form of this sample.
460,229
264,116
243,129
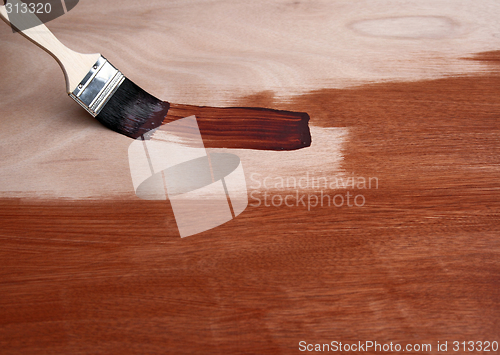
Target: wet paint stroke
246,127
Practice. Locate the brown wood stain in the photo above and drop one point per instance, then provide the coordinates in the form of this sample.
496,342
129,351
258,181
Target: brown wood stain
246,127
418,263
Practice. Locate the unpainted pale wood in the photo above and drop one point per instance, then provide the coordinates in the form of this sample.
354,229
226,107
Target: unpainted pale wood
74,65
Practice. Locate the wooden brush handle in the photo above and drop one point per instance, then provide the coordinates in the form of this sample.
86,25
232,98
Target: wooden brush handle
74,65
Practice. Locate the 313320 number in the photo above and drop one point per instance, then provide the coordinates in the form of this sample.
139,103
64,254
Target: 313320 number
475,346
32,8
25,14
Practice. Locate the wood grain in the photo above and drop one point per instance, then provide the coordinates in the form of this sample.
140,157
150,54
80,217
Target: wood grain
211,54
247,127
418,263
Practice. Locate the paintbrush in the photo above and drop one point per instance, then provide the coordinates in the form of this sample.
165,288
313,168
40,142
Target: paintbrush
119,104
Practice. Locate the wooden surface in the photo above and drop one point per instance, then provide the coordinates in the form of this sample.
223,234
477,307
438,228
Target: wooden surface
74,65
405,91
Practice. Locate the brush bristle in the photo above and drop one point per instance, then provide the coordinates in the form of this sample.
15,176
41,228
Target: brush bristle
132,111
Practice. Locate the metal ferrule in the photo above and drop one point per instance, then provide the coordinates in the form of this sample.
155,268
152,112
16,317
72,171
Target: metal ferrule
98,86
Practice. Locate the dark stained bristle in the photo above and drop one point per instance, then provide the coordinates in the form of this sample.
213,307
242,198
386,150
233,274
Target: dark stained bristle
131,111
